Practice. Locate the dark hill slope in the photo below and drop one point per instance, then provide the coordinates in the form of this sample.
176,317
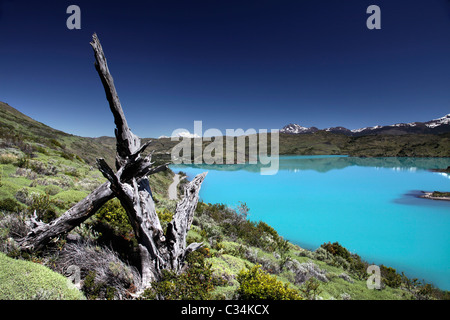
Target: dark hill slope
17,129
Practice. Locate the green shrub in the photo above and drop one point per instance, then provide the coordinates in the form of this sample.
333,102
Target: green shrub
310,289
255,284
336,255
219,220
390,277
23,161
52,190
358,267
265,228
91,288
337,250
196,283
114,215
41,150
68,156
40,167
43,206
319,254
164,216
94,289
10,205
70,171
283,249
112,226
7,158
440,194
56,143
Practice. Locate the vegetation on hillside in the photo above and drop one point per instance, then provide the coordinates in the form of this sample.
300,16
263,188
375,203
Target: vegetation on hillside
327,143
44,172
408,145
237,252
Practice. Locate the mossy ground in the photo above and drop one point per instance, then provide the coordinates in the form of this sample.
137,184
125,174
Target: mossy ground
25,280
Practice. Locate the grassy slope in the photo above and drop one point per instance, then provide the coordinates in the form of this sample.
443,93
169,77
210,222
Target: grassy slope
25,280
16,127
67,181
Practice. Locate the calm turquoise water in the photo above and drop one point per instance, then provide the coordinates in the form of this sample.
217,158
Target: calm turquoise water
367,205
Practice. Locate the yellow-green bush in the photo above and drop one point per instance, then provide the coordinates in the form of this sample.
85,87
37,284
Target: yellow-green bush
114,215
255,284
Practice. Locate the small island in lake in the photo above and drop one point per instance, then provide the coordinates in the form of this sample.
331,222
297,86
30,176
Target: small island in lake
436,195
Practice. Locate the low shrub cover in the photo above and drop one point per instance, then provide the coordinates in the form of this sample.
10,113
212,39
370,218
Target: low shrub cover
25,280
256,284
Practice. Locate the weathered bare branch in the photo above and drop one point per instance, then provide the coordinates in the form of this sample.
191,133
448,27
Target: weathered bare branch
40,235
127,142
131,186
181,222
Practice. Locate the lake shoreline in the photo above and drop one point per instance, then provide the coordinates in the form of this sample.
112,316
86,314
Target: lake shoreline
385,192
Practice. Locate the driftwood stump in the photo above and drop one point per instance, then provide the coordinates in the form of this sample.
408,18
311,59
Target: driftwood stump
130,185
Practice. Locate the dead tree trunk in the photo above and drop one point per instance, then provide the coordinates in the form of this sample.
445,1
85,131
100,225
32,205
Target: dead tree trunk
130,185
41,233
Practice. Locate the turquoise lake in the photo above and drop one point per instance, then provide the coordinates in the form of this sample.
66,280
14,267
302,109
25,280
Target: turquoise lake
369,205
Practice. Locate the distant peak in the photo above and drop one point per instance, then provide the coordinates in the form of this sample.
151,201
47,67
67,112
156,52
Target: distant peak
438,122
294,128
438,125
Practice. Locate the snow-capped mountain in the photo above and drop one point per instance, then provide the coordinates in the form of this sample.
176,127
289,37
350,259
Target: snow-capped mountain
293,128
436,126
339,130
445,120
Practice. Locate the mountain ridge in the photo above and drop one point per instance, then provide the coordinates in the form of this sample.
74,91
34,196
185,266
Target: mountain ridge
435,126
17,129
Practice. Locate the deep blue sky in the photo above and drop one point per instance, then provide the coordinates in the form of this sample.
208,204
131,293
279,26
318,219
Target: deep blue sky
232,64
